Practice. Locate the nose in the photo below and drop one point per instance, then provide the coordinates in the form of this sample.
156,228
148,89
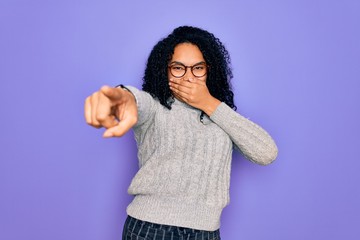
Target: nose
188,75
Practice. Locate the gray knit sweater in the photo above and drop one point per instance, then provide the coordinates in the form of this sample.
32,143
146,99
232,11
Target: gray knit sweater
184,174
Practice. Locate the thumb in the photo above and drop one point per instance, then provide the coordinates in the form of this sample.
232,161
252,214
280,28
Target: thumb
119,130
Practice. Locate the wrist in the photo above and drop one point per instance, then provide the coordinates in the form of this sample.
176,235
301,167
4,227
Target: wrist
123,87
210,105
127,91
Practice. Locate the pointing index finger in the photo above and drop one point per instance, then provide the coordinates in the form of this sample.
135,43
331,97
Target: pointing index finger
111,93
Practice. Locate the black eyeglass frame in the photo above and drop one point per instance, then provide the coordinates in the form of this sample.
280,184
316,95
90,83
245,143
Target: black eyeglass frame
191,68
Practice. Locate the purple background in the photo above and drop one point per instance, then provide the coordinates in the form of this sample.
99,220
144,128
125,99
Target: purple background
296,73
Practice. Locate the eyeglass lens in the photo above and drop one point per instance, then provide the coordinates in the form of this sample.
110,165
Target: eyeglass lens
179,70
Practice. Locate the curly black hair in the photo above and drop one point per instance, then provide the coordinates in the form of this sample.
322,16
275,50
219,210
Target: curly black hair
155,80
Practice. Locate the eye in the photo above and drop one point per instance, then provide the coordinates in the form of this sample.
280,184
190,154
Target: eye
199,67
177,68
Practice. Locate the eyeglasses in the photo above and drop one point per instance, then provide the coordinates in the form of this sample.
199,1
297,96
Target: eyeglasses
179,70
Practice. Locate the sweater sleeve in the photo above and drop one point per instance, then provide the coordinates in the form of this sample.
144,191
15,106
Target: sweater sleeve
253,141
146,105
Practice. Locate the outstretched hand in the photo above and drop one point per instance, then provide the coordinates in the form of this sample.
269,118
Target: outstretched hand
195,93
112,108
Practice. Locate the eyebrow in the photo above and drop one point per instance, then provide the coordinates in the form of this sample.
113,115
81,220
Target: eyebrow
176,62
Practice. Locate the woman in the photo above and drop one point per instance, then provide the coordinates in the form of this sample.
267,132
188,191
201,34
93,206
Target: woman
185,126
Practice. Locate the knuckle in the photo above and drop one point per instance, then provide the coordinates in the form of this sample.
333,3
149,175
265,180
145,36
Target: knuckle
94,95
92,124
101,117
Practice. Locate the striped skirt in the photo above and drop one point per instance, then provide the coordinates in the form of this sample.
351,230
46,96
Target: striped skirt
135,229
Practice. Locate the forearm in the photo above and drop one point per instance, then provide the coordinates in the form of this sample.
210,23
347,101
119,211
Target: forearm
145,104
253,141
